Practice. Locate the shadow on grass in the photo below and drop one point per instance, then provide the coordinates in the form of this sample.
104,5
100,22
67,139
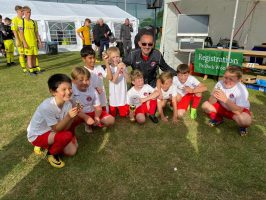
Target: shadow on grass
134,162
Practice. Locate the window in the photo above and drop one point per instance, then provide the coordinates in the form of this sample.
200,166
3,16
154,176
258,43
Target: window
63,33
117,28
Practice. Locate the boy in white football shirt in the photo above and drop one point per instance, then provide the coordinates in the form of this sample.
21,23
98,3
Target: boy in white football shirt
190,90
142,97
85,95
168,93
97,73
118,76
49,127
229,99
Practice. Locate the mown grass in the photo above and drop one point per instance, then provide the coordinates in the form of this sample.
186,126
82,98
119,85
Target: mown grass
128,161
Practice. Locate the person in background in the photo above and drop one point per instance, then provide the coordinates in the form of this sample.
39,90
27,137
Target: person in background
8,42
2,33
31,40
18,41
84,33
125,36
102,31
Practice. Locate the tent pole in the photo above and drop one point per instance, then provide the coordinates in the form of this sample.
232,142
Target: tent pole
232,34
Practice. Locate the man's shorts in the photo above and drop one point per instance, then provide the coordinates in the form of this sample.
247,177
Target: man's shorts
9,46
222,111
31,51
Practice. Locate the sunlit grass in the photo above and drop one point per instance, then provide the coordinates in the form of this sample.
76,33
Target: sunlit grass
128,161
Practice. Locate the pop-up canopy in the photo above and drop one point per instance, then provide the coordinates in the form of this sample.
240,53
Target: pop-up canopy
55,18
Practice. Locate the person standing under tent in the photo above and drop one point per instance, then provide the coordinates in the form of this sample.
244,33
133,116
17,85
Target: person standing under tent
8,42
125,36
84,33
28,30
103,32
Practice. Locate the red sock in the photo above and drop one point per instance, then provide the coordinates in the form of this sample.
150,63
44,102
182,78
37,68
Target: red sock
196,101
61,139
153,106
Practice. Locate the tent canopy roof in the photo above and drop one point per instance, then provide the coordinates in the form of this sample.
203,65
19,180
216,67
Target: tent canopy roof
55,11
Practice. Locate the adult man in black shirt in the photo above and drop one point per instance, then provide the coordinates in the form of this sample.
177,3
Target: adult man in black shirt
102,31
147,59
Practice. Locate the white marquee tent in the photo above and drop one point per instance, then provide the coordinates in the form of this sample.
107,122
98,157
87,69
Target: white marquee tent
221,17
58,21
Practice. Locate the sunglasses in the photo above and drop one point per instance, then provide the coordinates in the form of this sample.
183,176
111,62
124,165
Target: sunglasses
145,44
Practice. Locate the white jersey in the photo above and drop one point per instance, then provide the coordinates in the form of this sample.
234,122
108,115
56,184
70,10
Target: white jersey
87,99
46,115
171,92
238,94
134,96
118,90
191,82
96,80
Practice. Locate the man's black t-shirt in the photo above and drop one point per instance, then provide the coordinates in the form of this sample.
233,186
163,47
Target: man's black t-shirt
148,68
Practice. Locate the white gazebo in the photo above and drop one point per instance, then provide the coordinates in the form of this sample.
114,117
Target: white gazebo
58,21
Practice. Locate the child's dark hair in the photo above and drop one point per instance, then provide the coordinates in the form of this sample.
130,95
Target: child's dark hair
85,51
146,32
182,68
235,70
55,80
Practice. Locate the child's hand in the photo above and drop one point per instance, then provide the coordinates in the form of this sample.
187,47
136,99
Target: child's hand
164,119
105,57
175,120
188,89
73,112
220,95
99,90
97,121
90,121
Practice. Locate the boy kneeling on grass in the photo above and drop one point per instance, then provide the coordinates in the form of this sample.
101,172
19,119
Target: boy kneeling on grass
88,99
49,126
190,90
143,98
229,99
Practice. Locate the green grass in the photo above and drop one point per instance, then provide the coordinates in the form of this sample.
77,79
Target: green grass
128,161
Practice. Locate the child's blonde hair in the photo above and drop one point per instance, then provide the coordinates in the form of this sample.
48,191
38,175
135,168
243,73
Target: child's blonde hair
113,50
235,70
26,8
165,76
80,71
136,74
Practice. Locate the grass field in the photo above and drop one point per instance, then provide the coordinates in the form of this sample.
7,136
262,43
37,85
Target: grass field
128,161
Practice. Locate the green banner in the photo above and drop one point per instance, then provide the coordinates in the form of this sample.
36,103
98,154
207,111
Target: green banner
214,62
